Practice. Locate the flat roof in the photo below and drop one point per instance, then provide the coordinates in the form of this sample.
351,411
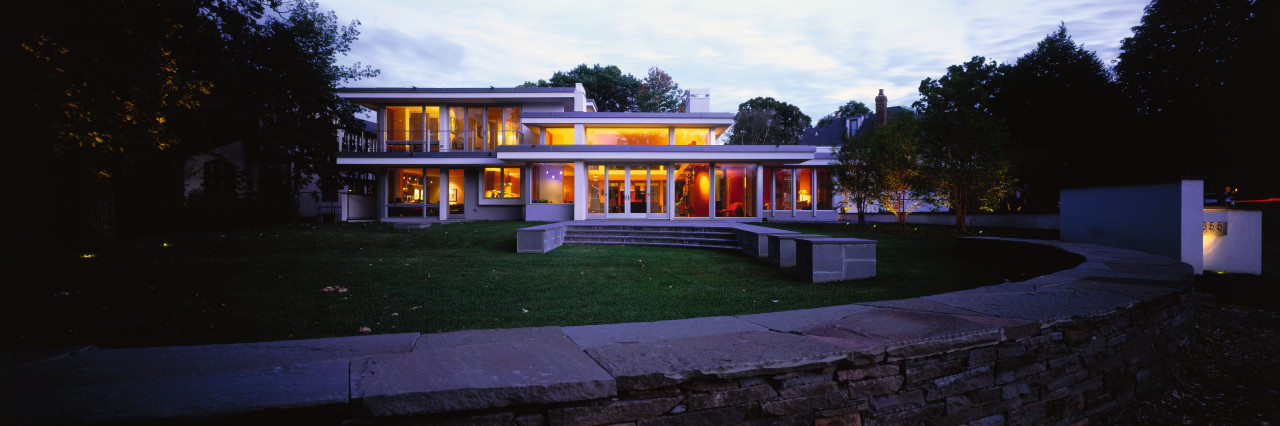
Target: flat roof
412,89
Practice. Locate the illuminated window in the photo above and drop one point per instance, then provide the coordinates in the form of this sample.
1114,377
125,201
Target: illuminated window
782,199
552,183
413,192
502,182
559,135
627,136
693,189
691,136
484,128
735,190
408,127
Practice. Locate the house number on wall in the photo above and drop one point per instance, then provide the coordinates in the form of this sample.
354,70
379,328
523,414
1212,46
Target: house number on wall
1215,228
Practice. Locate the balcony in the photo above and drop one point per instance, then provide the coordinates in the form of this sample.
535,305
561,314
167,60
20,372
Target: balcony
431,141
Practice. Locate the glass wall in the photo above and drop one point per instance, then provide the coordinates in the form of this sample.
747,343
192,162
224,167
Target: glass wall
552,183
457,196
823,188
658,190
559,135
693,189
735,190
596,198
409,127
483,128
782,189
627,136
502,182
812,190
804,189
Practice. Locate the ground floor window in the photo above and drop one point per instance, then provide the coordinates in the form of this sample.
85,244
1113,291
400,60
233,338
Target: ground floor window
552,183
693,189
735,190
502,182
799,188
413,192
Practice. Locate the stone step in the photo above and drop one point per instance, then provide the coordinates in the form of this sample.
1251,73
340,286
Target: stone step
615,228
712,235
645,243
570,239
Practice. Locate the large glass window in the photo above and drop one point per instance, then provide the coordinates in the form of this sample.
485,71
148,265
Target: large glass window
502,182
627,136
457,196
552,183
483,128
559,135
691,136
596,198
693,189
804,189
782,189
735,190
413,192
408,127
658,189
824,183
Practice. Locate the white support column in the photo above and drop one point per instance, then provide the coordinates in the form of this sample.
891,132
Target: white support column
671,135
442,209
382,130
381,193
711,192
671,191
579,134
760,190
711,136
580,197
442,127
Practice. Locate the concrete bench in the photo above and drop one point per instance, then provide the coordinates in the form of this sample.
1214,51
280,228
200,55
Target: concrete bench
782,248
821,260
540,239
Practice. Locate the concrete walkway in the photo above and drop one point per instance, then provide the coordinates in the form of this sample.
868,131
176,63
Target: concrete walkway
376,377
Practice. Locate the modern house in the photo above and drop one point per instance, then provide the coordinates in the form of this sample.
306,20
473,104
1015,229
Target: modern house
546,154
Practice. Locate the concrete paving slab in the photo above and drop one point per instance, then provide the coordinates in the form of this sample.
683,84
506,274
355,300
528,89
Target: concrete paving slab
477,376
1038,306
921,305
655,364
588,336
313,389
135,364
800,319
895,325
481,337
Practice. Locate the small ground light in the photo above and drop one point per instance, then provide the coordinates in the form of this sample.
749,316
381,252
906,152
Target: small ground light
88,256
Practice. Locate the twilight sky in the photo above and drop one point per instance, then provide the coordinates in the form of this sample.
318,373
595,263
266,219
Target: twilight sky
813,54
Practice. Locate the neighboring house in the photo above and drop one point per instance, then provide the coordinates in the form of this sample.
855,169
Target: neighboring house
544,154
220,173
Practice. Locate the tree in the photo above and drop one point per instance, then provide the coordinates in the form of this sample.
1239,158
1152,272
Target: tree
852,176
658,93
850,109
119,93
767,121
896,161
964,144
1035,96
612,90
1198,74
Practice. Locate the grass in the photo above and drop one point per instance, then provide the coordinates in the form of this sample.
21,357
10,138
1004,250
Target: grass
267,283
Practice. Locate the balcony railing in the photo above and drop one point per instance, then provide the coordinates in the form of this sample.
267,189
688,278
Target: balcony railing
432,141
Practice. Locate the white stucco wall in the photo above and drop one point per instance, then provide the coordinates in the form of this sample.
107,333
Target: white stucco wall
1240,250
1163,219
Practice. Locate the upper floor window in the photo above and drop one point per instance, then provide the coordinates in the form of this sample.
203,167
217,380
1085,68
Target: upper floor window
413,123
691,136
627,136
478,128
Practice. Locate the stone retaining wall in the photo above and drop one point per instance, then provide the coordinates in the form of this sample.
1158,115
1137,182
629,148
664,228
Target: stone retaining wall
1076,346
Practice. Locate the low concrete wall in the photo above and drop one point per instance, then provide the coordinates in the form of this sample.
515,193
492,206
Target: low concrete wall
1025,221
822,260
1073,347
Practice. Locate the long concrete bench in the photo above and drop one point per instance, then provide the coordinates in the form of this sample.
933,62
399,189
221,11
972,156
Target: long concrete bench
1073,347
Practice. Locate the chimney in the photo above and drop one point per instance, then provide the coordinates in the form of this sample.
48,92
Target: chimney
882,108
697,100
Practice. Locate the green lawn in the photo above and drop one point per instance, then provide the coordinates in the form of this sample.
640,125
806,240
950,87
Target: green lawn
268,283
